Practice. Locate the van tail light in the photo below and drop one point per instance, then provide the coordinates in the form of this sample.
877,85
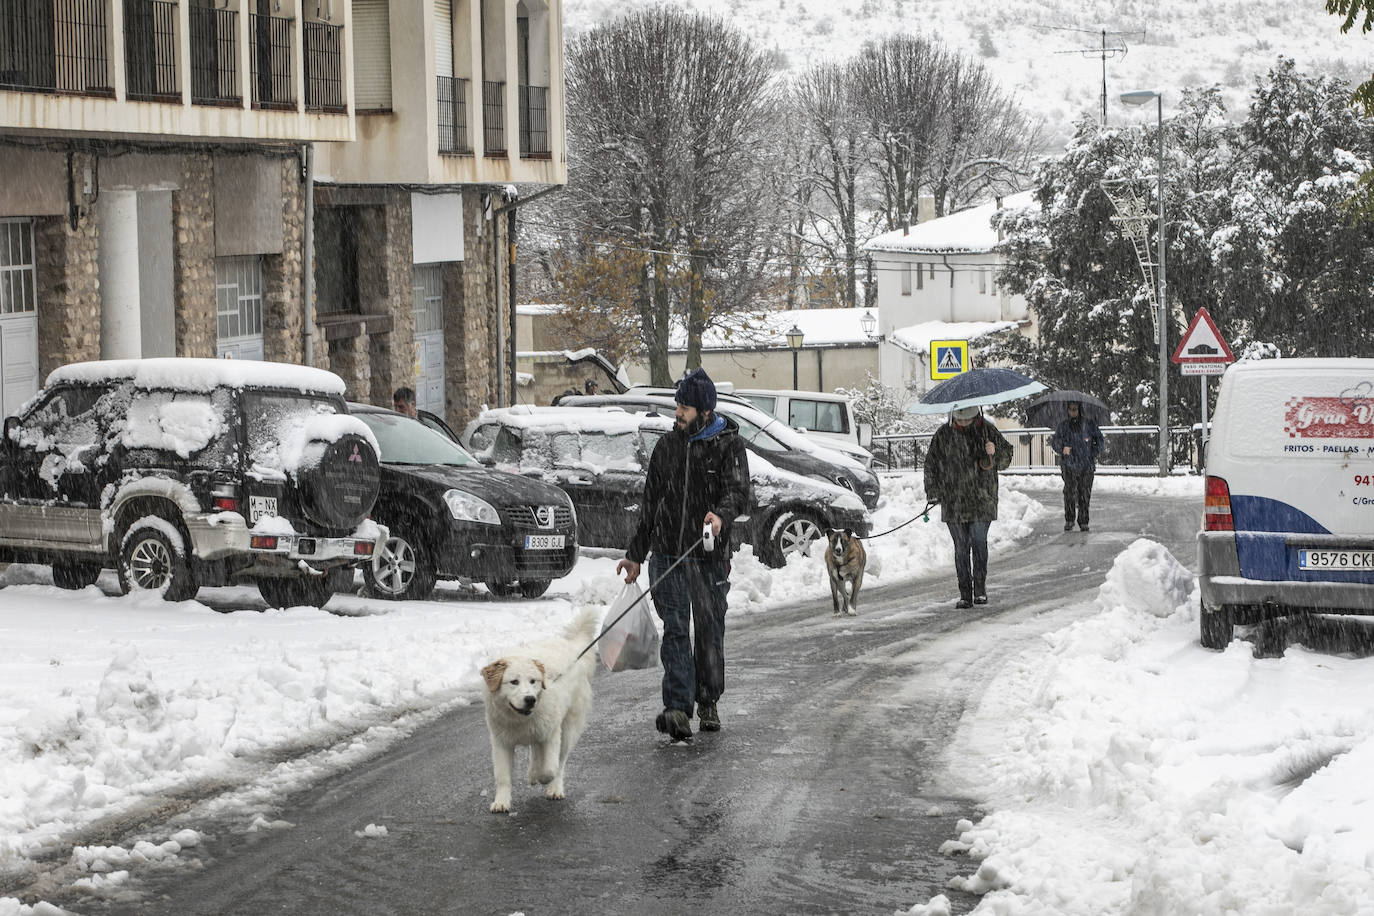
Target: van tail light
1217,506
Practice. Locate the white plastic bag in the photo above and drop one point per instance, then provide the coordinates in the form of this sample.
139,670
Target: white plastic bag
631,642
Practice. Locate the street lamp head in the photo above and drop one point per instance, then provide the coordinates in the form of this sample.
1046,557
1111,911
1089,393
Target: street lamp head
794,337
868,323
1141,96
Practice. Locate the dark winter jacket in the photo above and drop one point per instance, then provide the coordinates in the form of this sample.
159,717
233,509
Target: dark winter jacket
688,477
953,474
1084,440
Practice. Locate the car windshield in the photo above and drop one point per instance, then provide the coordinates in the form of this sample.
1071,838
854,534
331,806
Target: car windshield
404,440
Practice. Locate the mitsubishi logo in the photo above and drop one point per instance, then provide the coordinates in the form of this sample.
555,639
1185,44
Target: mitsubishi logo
544,515
355,456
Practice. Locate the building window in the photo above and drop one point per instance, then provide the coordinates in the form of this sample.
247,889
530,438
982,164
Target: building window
906,279
238,297
920,276
428,300
17,285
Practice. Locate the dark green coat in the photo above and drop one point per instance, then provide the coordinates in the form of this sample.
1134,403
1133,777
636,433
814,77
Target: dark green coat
966,492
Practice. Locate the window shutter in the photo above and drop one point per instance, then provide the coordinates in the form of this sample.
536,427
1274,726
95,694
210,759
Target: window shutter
443,37
371,55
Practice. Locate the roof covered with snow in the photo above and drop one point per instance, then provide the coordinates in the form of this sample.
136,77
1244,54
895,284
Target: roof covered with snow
764,330
966,231
192,374
917,337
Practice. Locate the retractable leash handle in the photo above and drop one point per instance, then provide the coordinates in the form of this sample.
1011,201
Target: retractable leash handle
708,538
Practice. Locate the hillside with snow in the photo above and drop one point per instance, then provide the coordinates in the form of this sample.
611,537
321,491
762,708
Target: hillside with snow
1034,46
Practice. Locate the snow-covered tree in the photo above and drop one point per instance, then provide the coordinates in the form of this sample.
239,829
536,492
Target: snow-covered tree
1256,232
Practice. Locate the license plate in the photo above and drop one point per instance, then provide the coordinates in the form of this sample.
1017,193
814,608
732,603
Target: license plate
1336,559
258,506
543,542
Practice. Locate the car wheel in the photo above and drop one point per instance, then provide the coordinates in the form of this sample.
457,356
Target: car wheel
791,533
74,574
400,570
303,592
1216,628
533,588
502,589
149,561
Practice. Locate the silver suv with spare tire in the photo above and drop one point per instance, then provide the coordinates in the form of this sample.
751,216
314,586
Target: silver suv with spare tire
179,473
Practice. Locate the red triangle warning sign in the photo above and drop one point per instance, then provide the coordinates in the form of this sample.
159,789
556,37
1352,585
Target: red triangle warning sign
1202,342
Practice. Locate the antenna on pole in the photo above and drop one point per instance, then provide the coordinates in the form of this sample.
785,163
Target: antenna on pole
1105,52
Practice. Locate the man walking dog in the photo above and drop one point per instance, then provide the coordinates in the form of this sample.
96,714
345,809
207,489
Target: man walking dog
698,477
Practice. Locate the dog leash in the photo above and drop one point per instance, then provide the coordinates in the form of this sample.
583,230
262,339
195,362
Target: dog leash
642,595
924,515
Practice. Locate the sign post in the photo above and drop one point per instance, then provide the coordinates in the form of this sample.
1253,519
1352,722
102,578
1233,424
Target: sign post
1202,351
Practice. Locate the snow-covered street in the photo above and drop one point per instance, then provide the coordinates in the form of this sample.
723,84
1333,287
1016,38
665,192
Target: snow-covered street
1123,768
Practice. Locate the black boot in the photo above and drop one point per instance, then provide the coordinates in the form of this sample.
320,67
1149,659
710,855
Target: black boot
980,593
675,723
707,717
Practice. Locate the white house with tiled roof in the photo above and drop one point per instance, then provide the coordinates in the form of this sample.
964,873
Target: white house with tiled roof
938,280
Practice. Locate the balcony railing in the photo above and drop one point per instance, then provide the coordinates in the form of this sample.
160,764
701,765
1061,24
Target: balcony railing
271,56
54,46
214,57
150,43
534,122
453,115
494,118
324,67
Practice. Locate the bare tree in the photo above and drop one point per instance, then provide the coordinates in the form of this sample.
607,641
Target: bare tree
669,114
901,85
827,102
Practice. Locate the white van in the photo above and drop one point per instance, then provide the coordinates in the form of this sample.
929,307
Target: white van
1288,524
828,417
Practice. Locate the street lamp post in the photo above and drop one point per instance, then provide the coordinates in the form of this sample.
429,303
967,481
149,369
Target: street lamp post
794,342
1142,97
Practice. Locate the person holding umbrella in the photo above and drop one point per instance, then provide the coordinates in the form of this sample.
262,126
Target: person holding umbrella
1076,442
961,474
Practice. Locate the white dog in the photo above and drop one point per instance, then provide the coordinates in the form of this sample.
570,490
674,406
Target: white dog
540,698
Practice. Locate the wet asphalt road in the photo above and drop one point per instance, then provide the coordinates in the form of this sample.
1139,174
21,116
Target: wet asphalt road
822,794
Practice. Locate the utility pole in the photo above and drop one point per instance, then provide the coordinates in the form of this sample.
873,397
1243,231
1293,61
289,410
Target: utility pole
1105,52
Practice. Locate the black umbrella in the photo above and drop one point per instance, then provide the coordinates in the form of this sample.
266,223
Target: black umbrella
1051,408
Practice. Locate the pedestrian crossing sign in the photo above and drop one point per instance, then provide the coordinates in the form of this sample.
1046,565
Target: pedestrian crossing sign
948,358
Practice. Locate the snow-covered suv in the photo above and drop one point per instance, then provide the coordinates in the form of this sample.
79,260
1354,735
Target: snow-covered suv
180,473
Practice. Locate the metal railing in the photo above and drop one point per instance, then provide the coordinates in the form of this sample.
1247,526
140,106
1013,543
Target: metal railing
1127,450
214,56
453,115
271,57
150,50
534,122
494,118
54,46
323,56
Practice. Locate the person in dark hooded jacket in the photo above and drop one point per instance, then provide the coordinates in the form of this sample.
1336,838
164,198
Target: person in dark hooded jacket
961,474
698,475
1076,441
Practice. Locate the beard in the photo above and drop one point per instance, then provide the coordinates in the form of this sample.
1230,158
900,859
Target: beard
691,429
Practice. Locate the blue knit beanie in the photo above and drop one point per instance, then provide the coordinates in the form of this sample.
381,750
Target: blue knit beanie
695,389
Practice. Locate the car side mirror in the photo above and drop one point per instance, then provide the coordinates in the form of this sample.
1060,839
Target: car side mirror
866,435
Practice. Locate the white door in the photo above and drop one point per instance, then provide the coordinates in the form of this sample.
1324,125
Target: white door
18,316
238,307
429,337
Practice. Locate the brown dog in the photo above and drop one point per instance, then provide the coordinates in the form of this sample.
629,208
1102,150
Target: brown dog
845,560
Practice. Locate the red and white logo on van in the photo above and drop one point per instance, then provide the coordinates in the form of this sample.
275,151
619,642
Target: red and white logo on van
1350,416
355,456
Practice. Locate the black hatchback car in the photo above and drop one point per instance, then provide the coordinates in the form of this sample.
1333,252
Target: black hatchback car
451,518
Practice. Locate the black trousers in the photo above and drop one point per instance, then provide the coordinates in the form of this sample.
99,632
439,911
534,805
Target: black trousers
1078,492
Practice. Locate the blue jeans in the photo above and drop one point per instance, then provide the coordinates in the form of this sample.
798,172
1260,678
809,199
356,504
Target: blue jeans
691,599
970,556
